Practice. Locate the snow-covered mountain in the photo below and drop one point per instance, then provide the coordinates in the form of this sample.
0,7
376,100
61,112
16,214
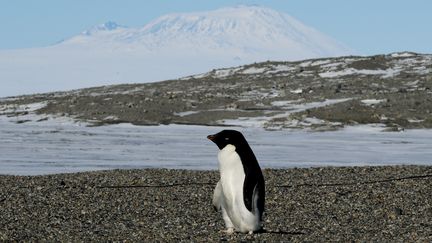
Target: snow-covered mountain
171,46
250,31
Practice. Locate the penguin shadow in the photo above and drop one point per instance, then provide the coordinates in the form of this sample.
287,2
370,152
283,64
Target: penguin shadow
278,232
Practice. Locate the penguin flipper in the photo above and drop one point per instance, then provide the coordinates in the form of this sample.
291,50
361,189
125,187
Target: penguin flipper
254,194
249,187
217,196
258,198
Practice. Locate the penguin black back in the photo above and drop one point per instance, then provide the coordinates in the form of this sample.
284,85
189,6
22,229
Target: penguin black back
253,185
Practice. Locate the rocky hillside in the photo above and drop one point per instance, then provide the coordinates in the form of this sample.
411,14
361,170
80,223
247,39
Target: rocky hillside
394,90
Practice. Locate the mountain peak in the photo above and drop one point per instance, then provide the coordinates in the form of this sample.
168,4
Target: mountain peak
246,21
246,27
107,26
235,12
247,8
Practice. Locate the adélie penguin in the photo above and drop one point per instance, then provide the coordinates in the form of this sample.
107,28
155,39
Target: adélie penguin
240,192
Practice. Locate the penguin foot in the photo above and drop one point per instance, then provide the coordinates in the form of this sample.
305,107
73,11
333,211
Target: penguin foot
228,231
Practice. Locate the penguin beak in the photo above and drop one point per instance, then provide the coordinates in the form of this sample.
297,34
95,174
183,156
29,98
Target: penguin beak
211,137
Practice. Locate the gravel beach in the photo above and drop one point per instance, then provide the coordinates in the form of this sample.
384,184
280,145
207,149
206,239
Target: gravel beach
315,204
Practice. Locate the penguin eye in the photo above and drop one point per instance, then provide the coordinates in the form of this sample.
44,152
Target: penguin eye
226,139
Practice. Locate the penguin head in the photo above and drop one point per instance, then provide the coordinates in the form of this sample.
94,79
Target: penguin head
225,137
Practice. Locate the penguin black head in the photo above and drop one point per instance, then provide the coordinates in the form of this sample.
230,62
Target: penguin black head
226,137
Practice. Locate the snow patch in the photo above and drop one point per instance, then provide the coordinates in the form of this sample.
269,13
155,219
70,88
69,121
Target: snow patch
26,113
351,71
222,73
297,91
372,101
314,63
253,70
111,118
289,107
22,108
416,120
185,113
402,54
281,68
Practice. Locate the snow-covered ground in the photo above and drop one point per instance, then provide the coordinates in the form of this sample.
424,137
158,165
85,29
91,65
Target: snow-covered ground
290,106
60,146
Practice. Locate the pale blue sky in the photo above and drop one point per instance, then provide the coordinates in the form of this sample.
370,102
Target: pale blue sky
368,26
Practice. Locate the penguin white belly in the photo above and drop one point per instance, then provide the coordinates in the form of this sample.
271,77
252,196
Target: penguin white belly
232,180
